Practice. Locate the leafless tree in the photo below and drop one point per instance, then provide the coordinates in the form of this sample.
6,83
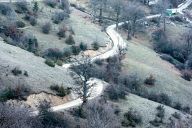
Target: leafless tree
187,40
132,13
82,73
101,115
117,6
11,117
98,5
161,7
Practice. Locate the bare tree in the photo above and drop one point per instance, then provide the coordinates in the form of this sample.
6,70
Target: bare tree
99,5
161,7
101,115
117,6
82,73
13,117
187,37
132,13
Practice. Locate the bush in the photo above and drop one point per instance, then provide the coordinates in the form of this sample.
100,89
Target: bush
70,40
31,43
95,46
5,9
115,92
33,20
58,17
131,118
133,83
50,62
26,73
59,63
51,3
21,7
20,24
176,115
160,98
177,106
83,46
16,71
6,94
75,50
17,92
159,116
54,53
67,53
150,80
189,62
187,109
187,75
62,32
46,28
61,91
99,62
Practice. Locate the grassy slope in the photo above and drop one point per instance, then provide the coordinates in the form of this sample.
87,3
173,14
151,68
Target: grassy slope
146,108
144,61
40,77
85,31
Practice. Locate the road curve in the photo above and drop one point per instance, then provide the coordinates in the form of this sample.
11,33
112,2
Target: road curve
118,42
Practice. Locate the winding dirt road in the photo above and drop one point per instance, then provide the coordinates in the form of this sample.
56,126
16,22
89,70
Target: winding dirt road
118,42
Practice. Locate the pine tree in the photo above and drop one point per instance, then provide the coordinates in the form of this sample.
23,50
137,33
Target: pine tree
35,7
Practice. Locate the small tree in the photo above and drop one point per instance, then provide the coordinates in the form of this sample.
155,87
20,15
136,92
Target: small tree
70,40
35,7
82,73
46,28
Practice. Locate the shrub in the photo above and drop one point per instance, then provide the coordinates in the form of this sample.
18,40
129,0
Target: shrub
58,17
54,53
26,73
62,32
131,118
186,109
14,93
61,91
161,112
95,46
187,75
189,62
70,40
75,50
16,71
67,53
33,20
83,46
46,28
150,80
178,106
30,42
51,3
20,24
59,63
5,9
22,7
99,62
50,62
159,116
176,115
115,92
6,94
132,82
160,98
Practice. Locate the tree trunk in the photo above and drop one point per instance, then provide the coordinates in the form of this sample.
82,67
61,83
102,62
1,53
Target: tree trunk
100,15
164,24
84,92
